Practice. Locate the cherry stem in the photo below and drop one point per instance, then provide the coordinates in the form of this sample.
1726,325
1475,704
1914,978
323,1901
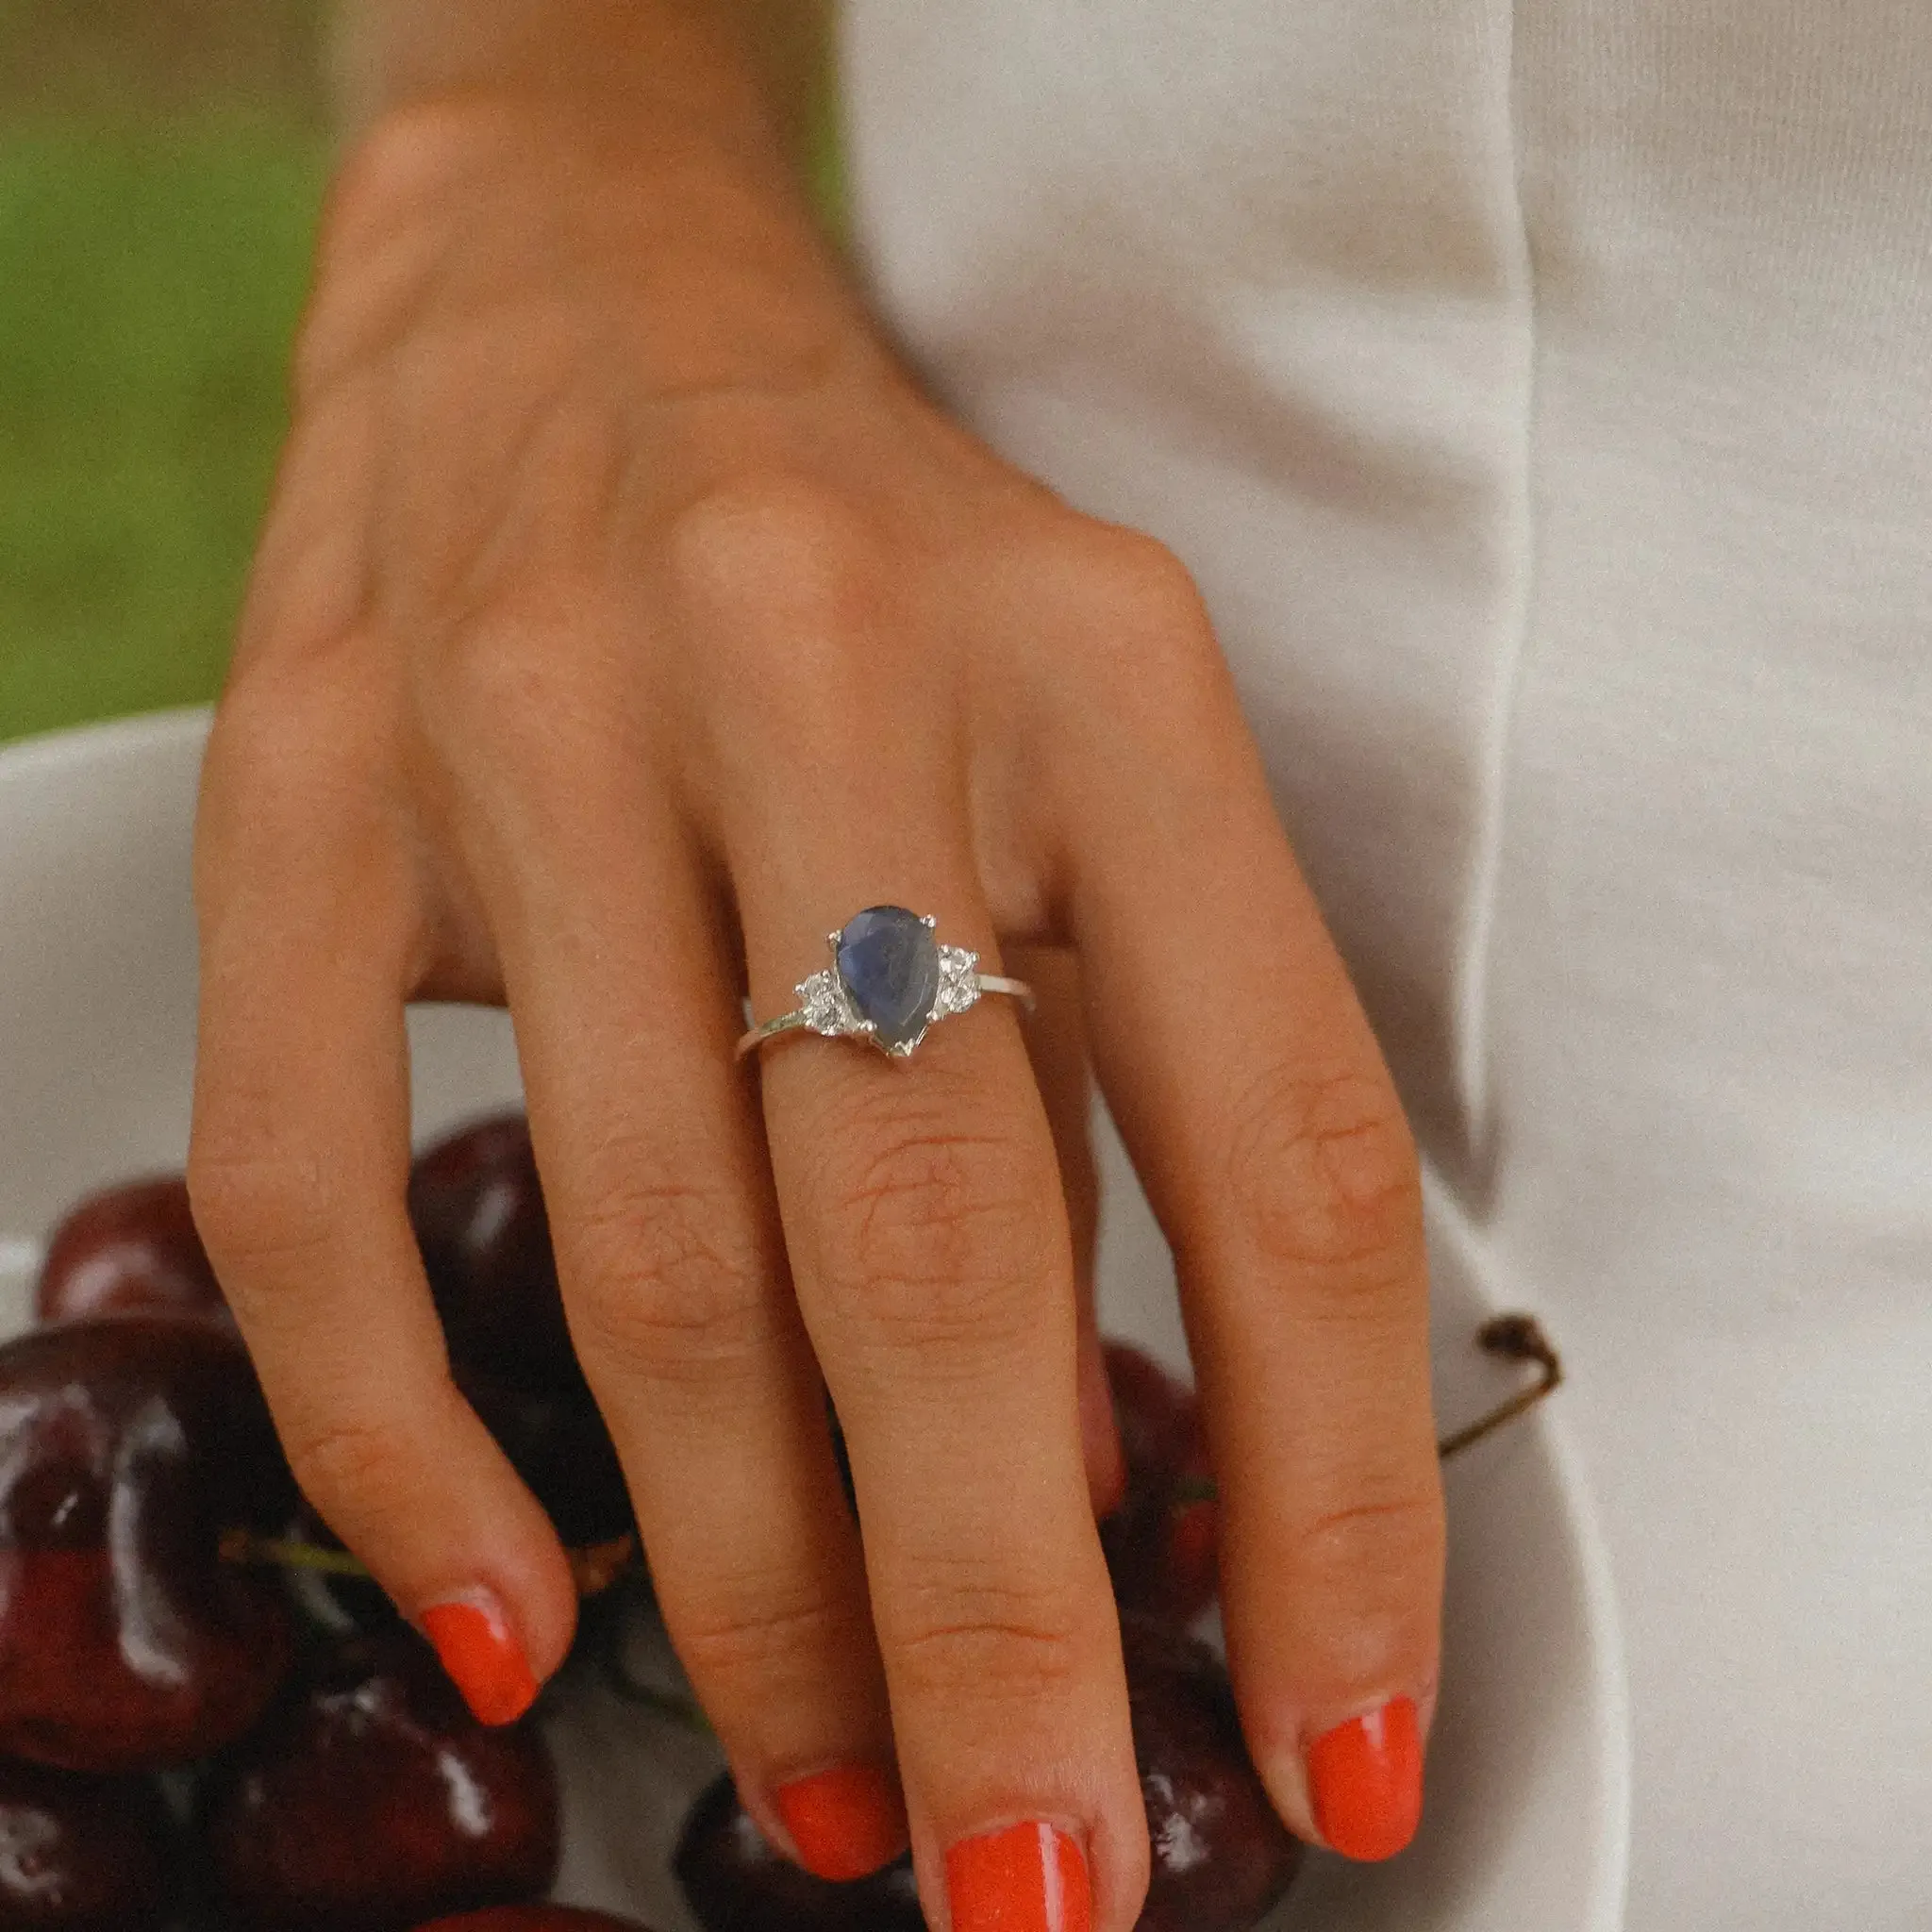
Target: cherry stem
594,1569
284,1552
1509,1338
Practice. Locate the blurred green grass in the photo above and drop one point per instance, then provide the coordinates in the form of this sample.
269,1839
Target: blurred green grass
150,281
162,169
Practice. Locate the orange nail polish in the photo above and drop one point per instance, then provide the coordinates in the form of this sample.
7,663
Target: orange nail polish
1028,1878
483,1658
1365,1779
845,1823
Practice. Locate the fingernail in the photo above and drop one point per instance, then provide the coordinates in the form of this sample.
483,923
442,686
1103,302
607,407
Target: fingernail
482,1655
1028,1878
844,1822
1365,1781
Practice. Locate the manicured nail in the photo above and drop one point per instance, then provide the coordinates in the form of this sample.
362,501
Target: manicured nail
482,1655
1365,1779
844,1822
1028,1878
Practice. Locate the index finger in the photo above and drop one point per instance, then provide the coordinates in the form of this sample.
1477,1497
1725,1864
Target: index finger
297,1168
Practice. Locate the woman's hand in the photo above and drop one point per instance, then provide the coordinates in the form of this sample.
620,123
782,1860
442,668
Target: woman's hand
625,620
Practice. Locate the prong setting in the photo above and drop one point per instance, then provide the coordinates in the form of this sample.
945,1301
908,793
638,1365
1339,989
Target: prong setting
827,1006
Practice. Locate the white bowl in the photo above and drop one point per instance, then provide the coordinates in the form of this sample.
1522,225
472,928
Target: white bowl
1528,1769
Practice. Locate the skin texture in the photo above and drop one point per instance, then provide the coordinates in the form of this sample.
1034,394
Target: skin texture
625,617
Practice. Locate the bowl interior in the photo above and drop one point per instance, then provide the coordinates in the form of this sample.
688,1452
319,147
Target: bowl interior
1529,1764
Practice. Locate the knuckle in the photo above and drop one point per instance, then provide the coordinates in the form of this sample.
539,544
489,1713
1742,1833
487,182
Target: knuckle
766,1633
1131,586
1393,1535
376,238
777,556
1324,1178
410,158
522,687
500,692
669,1290
499,655
1141,631
290,759
310,593
939,1231
270,733
987,1641
294,835
254,1208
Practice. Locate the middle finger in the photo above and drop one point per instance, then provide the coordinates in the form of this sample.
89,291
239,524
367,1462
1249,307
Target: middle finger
616,966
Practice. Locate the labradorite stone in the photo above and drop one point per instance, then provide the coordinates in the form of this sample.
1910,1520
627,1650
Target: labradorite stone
890,964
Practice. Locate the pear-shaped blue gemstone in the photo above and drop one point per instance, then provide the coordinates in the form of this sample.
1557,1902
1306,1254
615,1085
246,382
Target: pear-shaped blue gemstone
890,964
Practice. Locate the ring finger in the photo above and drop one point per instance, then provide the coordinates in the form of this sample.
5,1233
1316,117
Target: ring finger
930,1249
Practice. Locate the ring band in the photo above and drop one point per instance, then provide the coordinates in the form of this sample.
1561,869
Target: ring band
889,982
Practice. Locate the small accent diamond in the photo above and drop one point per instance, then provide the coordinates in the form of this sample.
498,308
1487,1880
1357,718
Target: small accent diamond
958,984
824,1001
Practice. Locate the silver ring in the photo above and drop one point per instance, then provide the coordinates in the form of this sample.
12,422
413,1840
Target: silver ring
890,981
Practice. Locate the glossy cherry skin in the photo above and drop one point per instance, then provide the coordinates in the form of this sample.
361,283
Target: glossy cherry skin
535,1919
1221,1858
1161,1549
128,1445
82,1854
735,1882
555,1441
133,1247
373,1800
477,1209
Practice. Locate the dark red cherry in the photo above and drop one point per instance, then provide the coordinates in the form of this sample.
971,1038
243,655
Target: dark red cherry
477,1209
82,1854
1221,1858
133,1247
556,1439
372,1800
128,1445
736,1882
1161,1543
535,1919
